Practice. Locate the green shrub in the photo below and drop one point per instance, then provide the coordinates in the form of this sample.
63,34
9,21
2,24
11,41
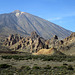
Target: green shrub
59,58
47,67
4,66
25,67
65,64
60,67
70,67
36,67
16,57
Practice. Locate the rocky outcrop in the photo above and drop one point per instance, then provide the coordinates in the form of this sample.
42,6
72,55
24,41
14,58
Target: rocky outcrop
70,38
61,45
12,39
52,42
31,44
34,43
34,35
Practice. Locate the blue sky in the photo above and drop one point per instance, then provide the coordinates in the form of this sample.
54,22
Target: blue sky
60,12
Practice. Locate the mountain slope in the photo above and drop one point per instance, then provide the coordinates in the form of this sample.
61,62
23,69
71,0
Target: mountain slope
24,23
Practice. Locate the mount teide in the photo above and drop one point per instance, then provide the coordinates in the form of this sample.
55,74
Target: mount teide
24,23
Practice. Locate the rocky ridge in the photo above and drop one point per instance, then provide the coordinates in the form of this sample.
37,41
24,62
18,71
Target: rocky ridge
35,43
32,43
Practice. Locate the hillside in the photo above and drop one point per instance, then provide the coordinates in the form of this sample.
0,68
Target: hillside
24,23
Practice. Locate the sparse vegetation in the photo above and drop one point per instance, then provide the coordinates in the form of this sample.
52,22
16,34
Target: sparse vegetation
59,58
4,66
36,70
63,69
36,67
47,67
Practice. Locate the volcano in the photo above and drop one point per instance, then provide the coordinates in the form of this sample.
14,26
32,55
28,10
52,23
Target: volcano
23,23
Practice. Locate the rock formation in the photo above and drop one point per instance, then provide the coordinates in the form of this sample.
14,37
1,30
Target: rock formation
32,43
35,43
12,39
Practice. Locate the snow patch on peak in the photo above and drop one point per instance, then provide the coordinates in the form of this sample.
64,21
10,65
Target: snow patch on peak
22,12
17,14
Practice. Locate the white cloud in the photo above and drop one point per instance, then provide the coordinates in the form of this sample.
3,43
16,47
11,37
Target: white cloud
55,18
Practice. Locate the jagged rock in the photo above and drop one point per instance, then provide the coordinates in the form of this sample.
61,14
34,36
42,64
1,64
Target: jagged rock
71,37
52,42
34,35
19,46
37,45
34,43
55,37
61,42
73,34
6,39
12,39
61,45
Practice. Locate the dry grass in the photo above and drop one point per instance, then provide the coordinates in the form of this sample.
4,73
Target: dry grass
45,52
